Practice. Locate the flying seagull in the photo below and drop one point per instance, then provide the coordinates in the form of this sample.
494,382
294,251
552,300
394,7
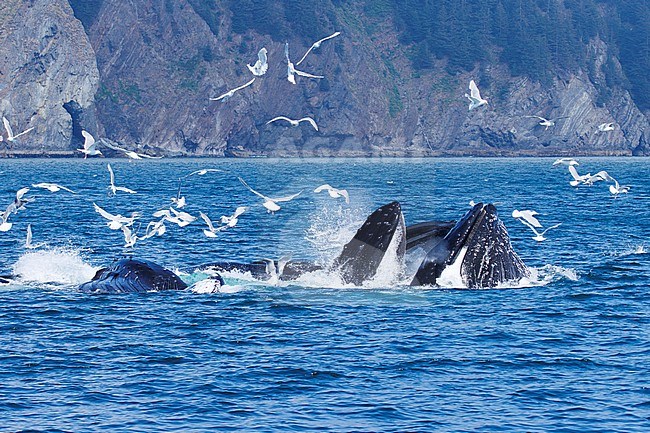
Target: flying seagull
90,147
229,93
474,97
115,222
333,192
539,237
16,205
204,171
114,188
261,65
179,200
601,175
292,71
293,122
269,203
577,178
231,221
617,189
179,217
10,132
547,122
317,45
157,228
604,127
565,161
528,216
211,231
52,187
130,153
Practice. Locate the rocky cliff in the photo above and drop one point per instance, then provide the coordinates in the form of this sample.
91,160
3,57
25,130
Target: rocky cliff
141,74
46,60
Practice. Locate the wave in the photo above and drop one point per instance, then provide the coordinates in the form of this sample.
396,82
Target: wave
61,266
631,250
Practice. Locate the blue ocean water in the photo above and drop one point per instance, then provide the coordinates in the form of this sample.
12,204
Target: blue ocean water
565,352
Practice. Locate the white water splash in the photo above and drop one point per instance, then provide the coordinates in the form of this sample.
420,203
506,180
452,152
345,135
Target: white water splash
631,250
57,266
331,228
547,274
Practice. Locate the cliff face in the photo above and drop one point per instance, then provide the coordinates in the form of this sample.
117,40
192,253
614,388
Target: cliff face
46,61
143,72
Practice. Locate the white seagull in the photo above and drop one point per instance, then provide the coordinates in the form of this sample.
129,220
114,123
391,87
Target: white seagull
546,122
474,97
317,45
617,189
269,203
16,205
52,187
577,179
293,122
130,153
114,188
334,192
565,161
528,216
292,71
179,200
601,175
10,132
604,127
261,65
129,237
229,93
157,228
231,221
28,239
539,237
211,231
90,147
180,218
204,171
115,222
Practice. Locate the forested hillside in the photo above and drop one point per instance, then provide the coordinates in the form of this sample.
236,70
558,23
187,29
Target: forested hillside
537,39
394,80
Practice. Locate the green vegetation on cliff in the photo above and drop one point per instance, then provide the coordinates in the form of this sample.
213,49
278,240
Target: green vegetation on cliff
534,38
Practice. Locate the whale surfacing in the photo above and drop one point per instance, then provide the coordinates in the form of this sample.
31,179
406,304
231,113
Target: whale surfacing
133,276
362,256
481,242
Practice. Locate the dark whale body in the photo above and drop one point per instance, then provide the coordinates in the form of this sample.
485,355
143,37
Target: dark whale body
362,256
481,241
133,276
478,245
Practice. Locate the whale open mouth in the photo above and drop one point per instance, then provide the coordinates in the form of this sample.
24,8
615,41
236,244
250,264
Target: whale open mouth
488,258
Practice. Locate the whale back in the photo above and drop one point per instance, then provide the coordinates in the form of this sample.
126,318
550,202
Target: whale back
133,276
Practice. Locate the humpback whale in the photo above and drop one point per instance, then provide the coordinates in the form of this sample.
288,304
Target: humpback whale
362,256
476,247
133,276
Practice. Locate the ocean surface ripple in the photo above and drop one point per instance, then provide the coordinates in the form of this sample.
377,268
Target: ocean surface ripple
567,353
